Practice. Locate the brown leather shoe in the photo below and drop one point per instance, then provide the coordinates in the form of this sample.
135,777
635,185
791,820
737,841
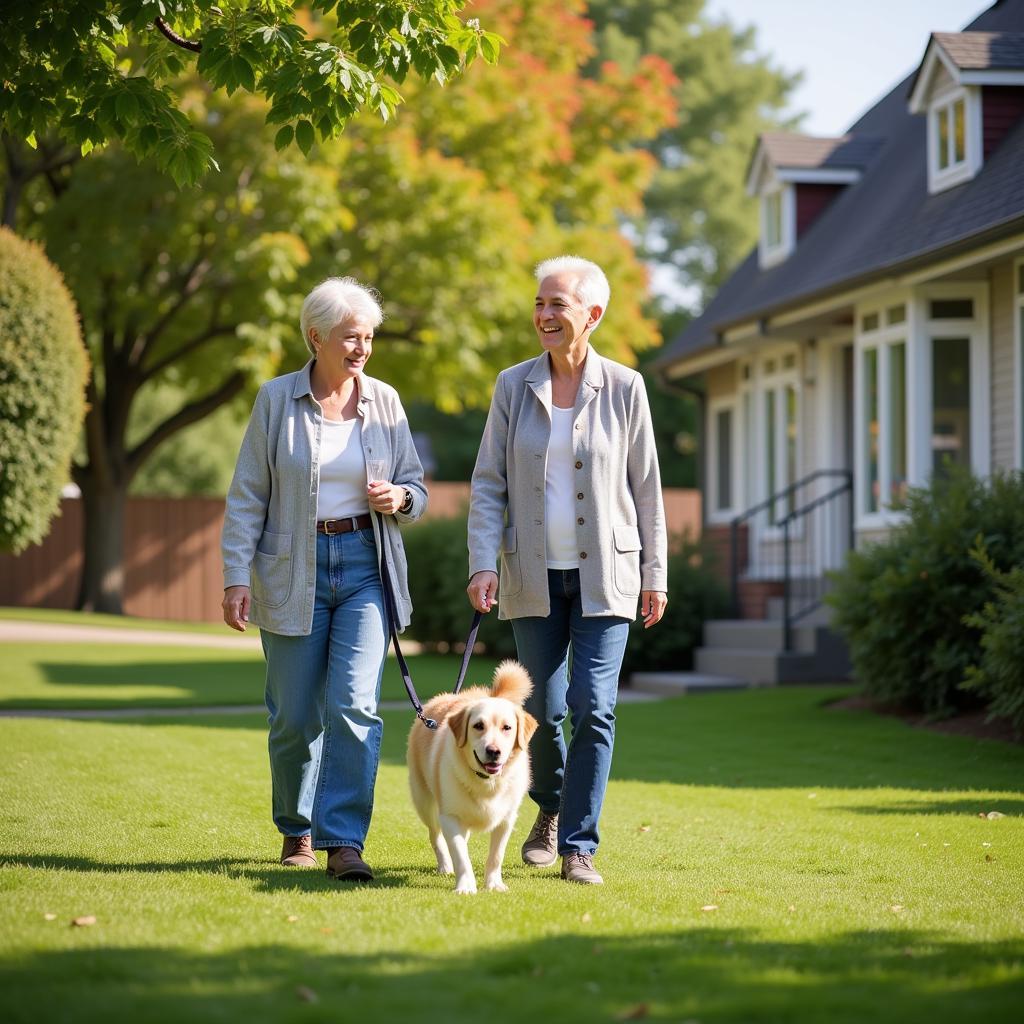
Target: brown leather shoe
541,847
297,852
346,862
579,867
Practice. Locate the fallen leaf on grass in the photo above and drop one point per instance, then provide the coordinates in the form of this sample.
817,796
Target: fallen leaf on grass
644,828
291,918
896,908
306,994
84,921
637,1012
327,931
812,796
986,844
710,906
49,917
586,918
989,857
792,909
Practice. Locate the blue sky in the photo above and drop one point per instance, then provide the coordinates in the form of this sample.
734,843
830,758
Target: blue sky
852,54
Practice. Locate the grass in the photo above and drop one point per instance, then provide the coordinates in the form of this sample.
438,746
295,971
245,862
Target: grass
61,617
852,875
90,675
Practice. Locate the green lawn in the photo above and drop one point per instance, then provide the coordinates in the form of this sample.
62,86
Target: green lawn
114,675
61,617
851,876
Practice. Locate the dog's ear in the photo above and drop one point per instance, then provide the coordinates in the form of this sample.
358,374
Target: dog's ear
527,726
459,725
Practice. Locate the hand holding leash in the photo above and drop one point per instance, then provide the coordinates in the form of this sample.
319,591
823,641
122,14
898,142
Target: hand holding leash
483,590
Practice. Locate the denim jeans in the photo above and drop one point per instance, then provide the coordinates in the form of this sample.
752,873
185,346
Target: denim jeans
322,694
574,663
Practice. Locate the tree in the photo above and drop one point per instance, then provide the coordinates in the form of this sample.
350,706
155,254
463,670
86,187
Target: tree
697,220
43,368
92,71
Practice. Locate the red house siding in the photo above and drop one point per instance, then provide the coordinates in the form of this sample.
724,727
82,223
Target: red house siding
810,201
1002,106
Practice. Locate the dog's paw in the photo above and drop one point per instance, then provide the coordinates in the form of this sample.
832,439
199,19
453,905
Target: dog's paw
496,885
466,888
445,869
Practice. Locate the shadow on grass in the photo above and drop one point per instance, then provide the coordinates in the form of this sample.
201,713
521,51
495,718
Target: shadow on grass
972,808
697,974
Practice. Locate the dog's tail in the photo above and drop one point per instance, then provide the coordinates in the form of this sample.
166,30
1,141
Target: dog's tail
511,681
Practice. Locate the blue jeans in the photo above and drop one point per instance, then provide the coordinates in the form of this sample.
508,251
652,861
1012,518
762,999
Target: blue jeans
574,663
322,694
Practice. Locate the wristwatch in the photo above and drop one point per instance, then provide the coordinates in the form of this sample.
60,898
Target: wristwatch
406,505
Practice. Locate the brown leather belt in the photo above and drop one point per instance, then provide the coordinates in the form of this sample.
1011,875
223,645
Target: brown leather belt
333,526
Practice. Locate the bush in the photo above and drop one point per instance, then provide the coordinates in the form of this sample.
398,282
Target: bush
901,604
695,594
43,370
436,550
998,675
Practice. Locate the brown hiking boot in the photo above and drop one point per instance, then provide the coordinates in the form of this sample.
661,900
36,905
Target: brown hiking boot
347,863
541,847
297,852
579,867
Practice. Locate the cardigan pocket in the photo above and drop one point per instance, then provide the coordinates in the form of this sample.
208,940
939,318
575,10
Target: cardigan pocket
511,579
626,560
272,570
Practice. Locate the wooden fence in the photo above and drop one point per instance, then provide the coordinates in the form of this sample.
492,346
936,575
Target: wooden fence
172,554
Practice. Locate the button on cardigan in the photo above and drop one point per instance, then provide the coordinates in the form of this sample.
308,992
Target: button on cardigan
622,539
269,538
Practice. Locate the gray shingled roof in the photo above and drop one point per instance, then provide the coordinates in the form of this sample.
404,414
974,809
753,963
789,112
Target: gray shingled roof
983,51
884,222
788,149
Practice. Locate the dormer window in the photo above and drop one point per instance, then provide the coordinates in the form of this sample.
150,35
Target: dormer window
950,127
954,139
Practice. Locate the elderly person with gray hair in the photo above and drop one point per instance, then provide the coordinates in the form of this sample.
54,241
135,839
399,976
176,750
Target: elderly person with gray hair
302,554
567,487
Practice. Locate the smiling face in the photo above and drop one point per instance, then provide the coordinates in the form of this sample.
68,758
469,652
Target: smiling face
490,733
346,350
562,322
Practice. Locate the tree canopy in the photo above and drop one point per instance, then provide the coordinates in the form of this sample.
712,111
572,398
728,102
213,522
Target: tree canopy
93,71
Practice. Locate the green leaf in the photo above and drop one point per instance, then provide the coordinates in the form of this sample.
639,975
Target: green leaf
284,137
243,73
127,107
304,136
489,44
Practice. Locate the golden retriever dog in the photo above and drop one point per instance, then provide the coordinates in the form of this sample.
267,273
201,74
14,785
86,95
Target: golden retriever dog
472,772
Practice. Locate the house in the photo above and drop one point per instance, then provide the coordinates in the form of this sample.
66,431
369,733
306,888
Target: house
872,338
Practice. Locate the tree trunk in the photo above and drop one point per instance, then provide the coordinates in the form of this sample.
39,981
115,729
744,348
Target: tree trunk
103,520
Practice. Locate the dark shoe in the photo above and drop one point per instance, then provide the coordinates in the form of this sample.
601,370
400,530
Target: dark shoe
541,847
297,852
579,867
346,862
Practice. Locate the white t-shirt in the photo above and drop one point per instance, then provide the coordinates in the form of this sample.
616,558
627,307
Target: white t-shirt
342,491
559,503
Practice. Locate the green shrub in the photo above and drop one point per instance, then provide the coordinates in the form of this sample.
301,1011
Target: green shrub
998,674
436,550
43,370
901,603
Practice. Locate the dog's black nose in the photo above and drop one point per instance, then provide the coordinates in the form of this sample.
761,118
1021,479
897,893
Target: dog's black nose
493,753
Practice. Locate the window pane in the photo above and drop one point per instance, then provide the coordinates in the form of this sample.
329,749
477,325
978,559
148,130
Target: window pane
942,117
869,322
896,315
723,438
898,424
769,441
951,403
791,468
773,220
1020,279
871,427
749,447
959,138
951,309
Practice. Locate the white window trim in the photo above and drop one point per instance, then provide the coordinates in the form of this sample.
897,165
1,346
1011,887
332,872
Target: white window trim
941,179
920,412
731,404
881,339
776,381
773,255
1018,368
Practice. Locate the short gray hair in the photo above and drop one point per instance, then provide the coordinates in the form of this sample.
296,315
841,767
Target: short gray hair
592,288
333,302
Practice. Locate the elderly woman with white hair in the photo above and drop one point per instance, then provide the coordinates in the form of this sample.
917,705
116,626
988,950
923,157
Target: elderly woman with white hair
302,555
567,487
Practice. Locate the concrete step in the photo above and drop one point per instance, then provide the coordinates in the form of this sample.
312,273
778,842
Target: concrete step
819,617
756,634
675,684
762,667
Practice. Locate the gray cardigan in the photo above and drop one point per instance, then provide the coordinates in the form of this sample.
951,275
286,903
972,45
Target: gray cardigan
269,537
621,518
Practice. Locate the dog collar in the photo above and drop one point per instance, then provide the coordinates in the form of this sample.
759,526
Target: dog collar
481,775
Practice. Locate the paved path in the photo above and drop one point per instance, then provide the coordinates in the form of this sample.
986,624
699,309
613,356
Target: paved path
15,631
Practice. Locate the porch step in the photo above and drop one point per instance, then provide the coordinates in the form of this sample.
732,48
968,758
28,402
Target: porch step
759,667
819,617
675,684
756,634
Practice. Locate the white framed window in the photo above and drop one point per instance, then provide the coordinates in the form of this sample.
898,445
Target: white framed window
1018,391
776,429
724,463
881,420
778,224
954,138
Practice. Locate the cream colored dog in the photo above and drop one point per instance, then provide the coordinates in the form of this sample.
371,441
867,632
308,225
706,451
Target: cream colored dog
472,772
